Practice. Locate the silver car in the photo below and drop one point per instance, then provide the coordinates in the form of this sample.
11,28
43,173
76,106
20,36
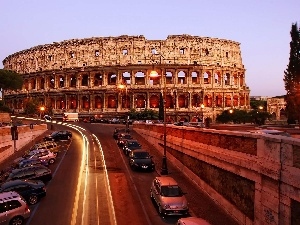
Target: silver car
168,196
13,209
192,221
42,154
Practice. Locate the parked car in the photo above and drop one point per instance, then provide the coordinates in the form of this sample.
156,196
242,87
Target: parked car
50,145
47,118
59,136
131,145
122,137
31,162
13,209
32,173
141,160
192,221
168,196
31,190
273,132
117,131
42,154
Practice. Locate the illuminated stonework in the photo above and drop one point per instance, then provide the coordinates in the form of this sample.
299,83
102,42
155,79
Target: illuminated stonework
83,75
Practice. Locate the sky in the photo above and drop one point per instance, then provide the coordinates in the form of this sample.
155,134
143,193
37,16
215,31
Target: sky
262,27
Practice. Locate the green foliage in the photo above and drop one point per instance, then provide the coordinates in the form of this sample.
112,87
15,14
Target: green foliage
292,77
255,104
241,116
31,107
10,80
147,114
4,108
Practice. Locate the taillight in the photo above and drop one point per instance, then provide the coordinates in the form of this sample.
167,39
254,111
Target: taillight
27,208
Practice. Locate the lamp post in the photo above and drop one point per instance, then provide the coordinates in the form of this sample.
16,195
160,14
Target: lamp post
122,86
164,168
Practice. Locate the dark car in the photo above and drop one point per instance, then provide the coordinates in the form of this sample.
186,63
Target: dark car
131,145
117,131
31,190
32,162
59,136
32,173
122,137
141,160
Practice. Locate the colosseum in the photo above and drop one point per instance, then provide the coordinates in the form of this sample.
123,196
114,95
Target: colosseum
108,76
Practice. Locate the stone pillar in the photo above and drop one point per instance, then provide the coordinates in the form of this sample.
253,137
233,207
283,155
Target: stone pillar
132,77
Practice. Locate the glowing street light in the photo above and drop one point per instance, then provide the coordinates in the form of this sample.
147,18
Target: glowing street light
42,109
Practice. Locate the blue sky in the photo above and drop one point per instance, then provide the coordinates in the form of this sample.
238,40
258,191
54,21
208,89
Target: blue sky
261,26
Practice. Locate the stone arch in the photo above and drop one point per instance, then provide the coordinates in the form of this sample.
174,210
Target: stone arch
195,77
125,101
139,78
73,81
206,77
196,100
227,78
61,81
60,103
73,102
85,102
140,101
26,85
241,80
228,101
85,80
169,101
219,100
112,101
98,102
235,79
126,78
169,77
242,100
182,101
112,78
282,115
154,101
51,82
32,83
217,77
98,79
42,83
181,77
235,100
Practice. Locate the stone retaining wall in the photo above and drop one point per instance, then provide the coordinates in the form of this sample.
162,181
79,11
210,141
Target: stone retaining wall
256,178
25,136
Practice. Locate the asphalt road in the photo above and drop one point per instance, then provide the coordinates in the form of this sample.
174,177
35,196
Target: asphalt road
78,194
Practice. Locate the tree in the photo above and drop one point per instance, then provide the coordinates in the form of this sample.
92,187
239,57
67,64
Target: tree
161,107
10,80
292,77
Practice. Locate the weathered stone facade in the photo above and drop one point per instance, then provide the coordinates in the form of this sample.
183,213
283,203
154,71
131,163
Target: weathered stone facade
84,75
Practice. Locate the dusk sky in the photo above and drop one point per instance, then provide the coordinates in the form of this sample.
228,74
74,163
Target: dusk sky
261,26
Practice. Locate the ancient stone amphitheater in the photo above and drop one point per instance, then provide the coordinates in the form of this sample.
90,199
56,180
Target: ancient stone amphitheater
108,76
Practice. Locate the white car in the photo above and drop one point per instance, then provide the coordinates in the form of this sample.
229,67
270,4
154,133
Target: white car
42,154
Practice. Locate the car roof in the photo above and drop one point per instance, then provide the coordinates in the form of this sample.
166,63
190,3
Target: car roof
29,168
193,221
165,180
140,150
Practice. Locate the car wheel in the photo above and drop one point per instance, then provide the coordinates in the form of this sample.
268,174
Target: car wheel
51,161
33,199
18,220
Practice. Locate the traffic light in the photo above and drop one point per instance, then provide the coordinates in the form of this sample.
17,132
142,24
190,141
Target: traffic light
14,133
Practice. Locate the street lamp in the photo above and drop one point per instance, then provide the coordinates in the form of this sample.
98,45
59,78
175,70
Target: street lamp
164,168
202,107
42,109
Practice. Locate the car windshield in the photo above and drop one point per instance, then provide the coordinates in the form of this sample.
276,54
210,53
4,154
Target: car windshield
54,133
133,144
171,191
141,155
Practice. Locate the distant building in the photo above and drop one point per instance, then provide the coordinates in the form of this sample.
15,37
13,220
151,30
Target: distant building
259,98
276,107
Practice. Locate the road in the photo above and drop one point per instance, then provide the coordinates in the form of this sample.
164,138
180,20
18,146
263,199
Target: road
80,194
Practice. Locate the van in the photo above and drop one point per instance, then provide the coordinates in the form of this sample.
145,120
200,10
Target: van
13,208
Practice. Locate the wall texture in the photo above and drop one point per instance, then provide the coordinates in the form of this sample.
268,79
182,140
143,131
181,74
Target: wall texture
25,136
256,178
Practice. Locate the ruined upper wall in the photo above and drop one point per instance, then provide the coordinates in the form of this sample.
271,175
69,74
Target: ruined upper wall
124,50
